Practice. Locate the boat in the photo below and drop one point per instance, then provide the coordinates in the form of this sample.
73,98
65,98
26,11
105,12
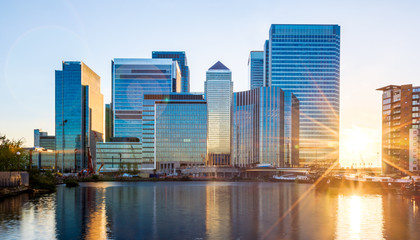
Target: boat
412,188
292,178
355,181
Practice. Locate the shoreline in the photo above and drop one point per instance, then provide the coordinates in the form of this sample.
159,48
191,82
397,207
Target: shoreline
14,191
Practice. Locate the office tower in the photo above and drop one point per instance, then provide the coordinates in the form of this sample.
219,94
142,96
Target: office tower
47,142
291,129
181,58
42,140
37,134
108,122
218,94
131,80
256,69
400,124
79,114
149,118
181,132
305,60
259,127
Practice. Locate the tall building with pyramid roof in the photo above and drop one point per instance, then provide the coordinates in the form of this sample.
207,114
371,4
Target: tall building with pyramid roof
218,93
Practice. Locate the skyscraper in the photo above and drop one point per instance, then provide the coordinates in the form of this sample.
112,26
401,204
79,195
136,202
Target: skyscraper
42,140
400,128
37,134
259,127
218,94
256,69
291,129
79,114
181,58
305,60
131,80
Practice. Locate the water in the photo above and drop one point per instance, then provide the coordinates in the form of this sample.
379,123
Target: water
207,210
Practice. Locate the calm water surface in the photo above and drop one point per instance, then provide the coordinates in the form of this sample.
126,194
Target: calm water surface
207,210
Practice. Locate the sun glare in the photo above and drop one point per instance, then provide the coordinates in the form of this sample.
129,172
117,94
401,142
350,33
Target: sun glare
359,147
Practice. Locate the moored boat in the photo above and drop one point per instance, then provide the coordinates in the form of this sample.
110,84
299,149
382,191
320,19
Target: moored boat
292,178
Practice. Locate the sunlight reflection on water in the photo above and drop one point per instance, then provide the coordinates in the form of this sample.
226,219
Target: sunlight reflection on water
207,210
359,217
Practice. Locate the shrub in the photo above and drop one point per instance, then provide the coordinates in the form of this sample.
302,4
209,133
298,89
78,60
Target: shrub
71,182
43,181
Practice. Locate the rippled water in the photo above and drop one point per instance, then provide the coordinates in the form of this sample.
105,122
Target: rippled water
207,210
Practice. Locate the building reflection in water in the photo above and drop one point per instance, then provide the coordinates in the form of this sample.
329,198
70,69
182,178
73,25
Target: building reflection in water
96,226
39,218
21,218
207,210
401,214
218,211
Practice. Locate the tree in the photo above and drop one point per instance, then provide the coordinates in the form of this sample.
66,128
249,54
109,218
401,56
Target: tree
12,155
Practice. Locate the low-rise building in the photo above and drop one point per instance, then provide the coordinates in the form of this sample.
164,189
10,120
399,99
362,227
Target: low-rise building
122,154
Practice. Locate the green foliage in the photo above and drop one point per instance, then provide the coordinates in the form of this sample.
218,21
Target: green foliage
38,180
95,177
71,182
12,156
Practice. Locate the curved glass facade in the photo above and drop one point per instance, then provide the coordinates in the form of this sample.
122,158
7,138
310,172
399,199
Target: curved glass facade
259,127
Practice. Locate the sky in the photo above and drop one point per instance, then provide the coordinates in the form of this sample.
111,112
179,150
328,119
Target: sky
379,46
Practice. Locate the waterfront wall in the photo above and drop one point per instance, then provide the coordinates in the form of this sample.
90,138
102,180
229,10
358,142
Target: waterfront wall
14,179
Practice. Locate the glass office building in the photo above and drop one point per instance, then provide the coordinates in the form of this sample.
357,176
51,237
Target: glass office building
181,131
258,130
37,134
43,159
131,80
79,114
108,122
256,69
305,59
181,58
291,129
149,118
266,62
218,94
117,156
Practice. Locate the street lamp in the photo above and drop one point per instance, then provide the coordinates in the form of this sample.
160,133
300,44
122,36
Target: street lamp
75,160
120,161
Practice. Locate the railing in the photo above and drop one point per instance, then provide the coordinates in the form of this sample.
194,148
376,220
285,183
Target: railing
14,179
